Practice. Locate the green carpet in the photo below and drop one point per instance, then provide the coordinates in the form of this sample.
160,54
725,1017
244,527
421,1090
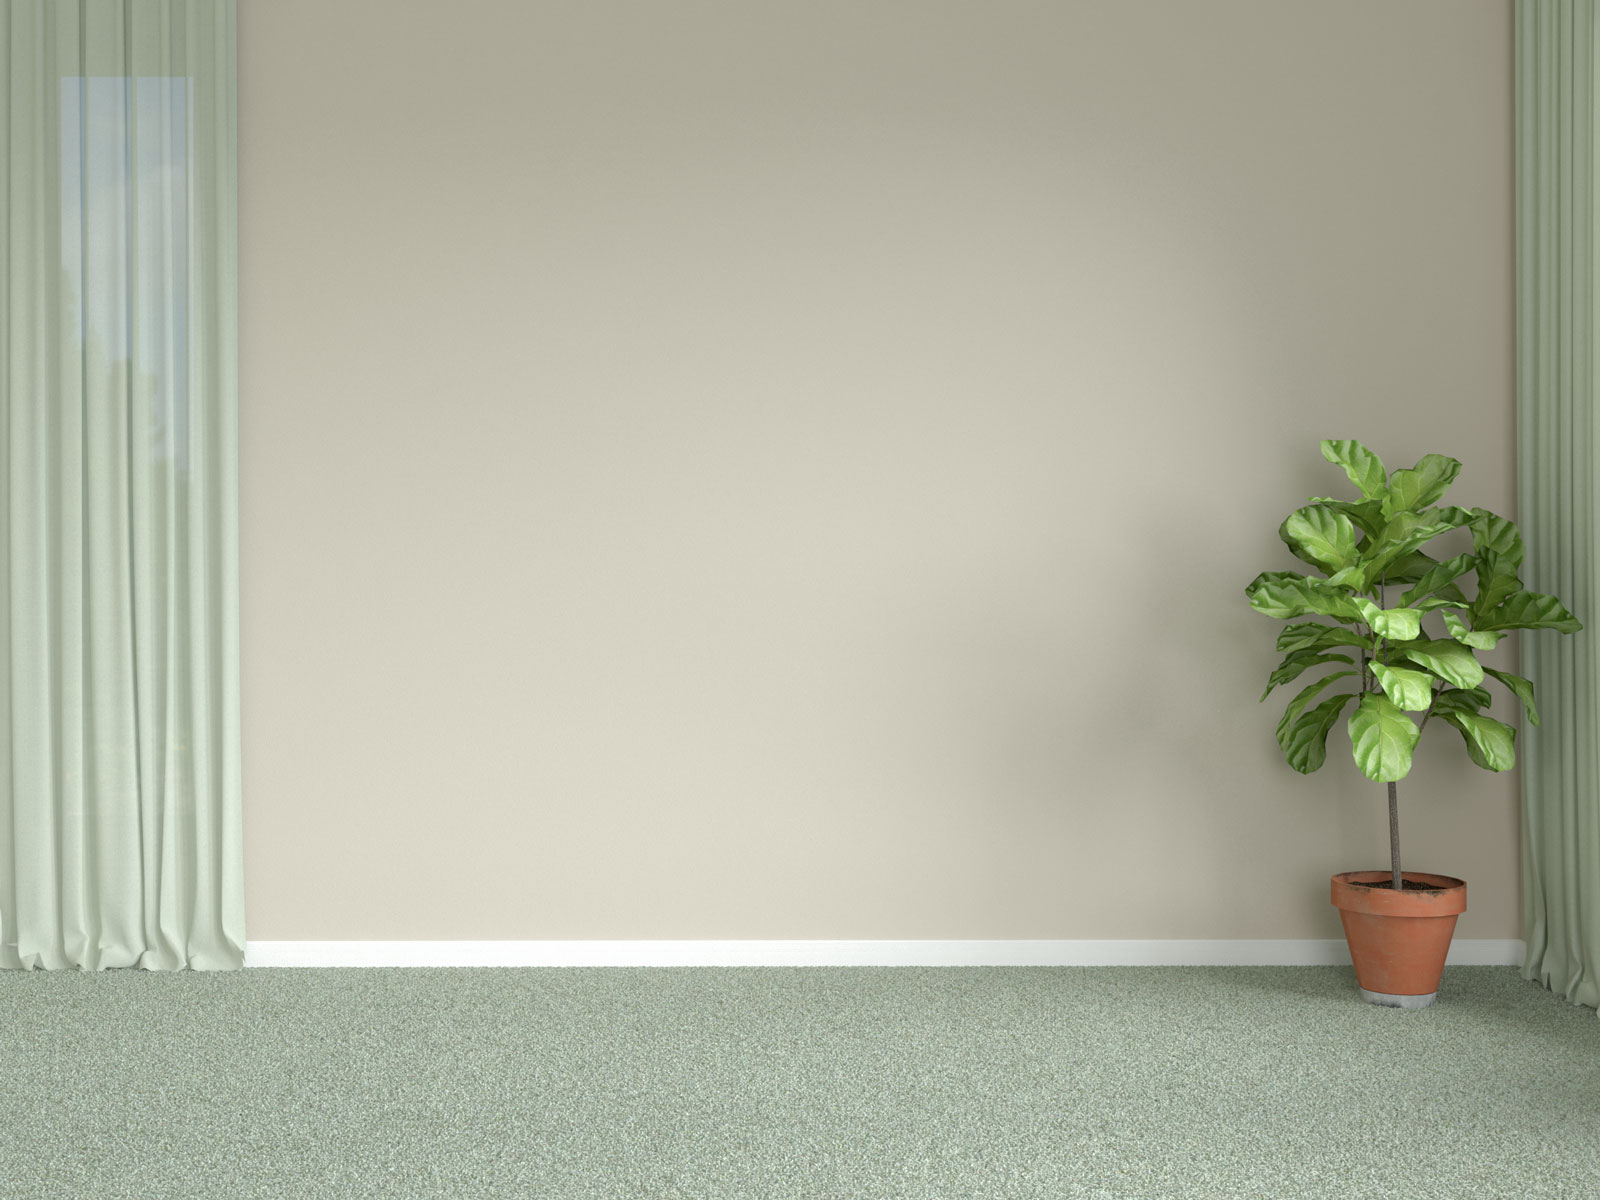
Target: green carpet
958,1083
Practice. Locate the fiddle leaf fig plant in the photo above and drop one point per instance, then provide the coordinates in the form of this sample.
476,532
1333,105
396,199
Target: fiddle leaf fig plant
1396,625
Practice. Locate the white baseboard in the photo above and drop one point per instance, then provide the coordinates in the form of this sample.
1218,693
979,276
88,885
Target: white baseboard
1289,952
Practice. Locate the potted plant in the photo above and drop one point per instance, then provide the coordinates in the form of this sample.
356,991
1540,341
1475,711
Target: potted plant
1392,665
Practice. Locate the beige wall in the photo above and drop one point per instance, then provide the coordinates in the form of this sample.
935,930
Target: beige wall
723,469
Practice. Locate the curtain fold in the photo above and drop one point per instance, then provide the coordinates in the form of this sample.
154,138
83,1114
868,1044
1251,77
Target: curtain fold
119,726
1558,461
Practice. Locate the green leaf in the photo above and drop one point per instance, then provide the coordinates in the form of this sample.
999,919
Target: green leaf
1365,468
1449,596
1400,526
1410,690
1530,610
1496,535
1353,577
1421,485
1305,742
1321,537
1450,516
1366,515
1308,635
1467,636
1490,744
1398,624
1521,688
1497,580
1450,661
1409,568
1285,594
1382,738
1298,705
1399,539
1437,576
1467,700
1297,664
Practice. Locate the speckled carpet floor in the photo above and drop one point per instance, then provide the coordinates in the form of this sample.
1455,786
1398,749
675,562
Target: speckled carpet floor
956,1083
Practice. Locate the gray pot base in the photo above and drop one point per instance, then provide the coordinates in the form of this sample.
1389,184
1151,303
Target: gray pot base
1389,1000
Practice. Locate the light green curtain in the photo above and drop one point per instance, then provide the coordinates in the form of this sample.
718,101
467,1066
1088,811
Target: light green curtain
1558,469
119,719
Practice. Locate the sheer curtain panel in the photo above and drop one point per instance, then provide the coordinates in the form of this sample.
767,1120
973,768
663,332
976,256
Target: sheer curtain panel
119,715
1558,470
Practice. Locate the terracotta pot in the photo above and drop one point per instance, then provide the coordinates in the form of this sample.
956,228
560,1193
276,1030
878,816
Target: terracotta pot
1398,940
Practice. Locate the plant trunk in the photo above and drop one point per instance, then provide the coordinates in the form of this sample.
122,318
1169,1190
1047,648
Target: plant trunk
1394,839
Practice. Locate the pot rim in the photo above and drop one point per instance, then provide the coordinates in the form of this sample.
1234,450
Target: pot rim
1446,898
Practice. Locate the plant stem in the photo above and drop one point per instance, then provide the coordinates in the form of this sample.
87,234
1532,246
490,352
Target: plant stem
1394,839
1432,700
